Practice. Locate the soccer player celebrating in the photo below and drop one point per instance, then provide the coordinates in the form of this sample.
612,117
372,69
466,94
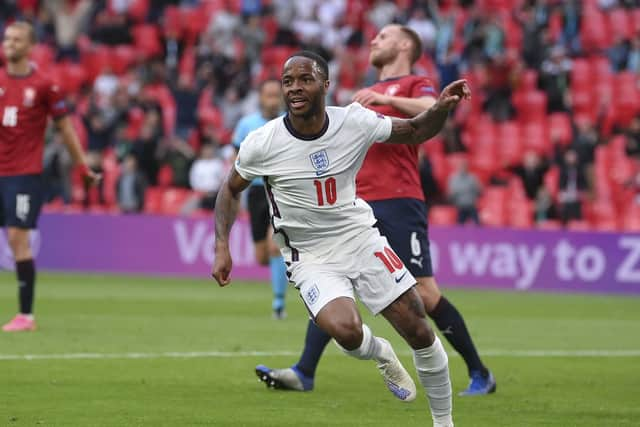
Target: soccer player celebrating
270,99
389,181
27,98
309,159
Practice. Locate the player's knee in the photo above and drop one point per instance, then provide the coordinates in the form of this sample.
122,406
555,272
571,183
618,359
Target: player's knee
420,336
348,333
429,292
19,243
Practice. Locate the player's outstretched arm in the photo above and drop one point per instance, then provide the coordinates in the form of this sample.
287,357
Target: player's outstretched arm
70,140
226,211
428,123
408,106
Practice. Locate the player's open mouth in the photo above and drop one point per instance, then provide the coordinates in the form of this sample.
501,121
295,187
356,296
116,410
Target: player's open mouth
297,102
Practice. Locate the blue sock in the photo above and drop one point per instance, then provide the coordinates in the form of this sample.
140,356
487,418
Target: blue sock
279,281
314,344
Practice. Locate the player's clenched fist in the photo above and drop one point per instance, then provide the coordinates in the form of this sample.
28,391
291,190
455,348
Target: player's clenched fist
453,94
222,266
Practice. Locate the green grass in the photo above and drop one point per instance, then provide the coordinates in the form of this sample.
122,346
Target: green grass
92,314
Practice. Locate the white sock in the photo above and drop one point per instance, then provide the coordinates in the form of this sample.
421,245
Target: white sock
432,365
28,316
370,348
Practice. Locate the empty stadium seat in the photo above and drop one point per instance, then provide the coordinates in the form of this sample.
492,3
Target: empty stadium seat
443,215
561,128
146,38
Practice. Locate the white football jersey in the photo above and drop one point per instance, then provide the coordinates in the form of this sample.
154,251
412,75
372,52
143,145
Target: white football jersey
311,182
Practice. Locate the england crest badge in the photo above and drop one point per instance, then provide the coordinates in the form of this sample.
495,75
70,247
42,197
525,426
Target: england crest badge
320,161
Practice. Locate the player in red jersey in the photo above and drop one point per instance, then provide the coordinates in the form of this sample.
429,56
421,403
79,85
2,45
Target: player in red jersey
27,99
390,182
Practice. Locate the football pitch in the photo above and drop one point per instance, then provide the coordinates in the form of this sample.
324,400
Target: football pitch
131,351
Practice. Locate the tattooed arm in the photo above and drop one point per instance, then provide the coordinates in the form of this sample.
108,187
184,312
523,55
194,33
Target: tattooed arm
226,210
428,123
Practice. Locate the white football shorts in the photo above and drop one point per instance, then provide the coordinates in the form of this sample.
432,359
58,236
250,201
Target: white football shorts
368,268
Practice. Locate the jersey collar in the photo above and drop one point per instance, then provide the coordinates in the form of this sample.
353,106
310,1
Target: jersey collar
296,134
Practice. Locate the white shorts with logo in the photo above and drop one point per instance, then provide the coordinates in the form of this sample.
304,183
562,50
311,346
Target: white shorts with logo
368,268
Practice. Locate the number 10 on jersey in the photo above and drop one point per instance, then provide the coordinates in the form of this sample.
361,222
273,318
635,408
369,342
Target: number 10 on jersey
326,192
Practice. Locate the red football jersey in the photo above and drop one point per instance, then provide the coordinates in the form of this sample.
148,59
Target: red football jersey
390,171
25,104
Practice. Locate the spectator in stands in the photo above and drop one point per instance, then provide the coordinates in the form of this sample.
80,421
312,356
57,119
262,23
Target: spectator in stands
531,172
232,108
451,137
430,187
448,67
382,12
554,79
572,185
186,95
499,88
570,12
544,206
146,145
253,36
618,53
130,186
632,133
533,37
464,191
633,59
585,140
57,170
419,22
207,174
69,19
111,27
179,156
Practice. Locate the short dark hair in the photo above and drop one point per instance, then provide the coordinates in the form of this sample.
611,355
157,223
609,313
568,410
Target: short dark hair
318,59
416,52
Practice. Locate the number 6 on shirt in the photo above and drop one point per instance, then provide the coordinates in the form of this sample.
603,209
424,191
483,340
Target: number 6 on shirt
329,189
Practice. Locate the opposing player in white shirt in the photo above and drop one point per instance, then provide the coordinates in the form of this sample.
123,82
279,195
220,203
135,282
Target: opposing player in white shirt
309,159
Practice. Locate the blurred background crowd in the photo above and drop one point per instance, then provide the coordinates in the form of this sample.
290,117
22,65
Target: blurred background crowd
550,139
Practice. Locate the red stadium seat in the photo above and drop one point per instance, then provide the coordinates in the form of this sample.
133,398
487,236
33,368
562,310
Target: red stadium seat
510,147
531,105
529,81
551,181
173,199
146,38
619,22
443,215
578,225
153,200
594,33
95,61
520,213
71,77
635,19
535,136
165,176
581,72
123,57
560,128
549,224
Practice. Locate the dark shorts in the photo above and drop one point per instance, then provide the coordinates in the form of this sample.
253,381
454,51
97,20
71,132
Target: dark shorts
404,223
21,199
258,212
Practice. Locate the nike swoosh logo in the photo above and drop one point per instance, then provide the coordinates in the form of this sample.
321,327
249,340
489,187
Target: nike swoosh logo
398,279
